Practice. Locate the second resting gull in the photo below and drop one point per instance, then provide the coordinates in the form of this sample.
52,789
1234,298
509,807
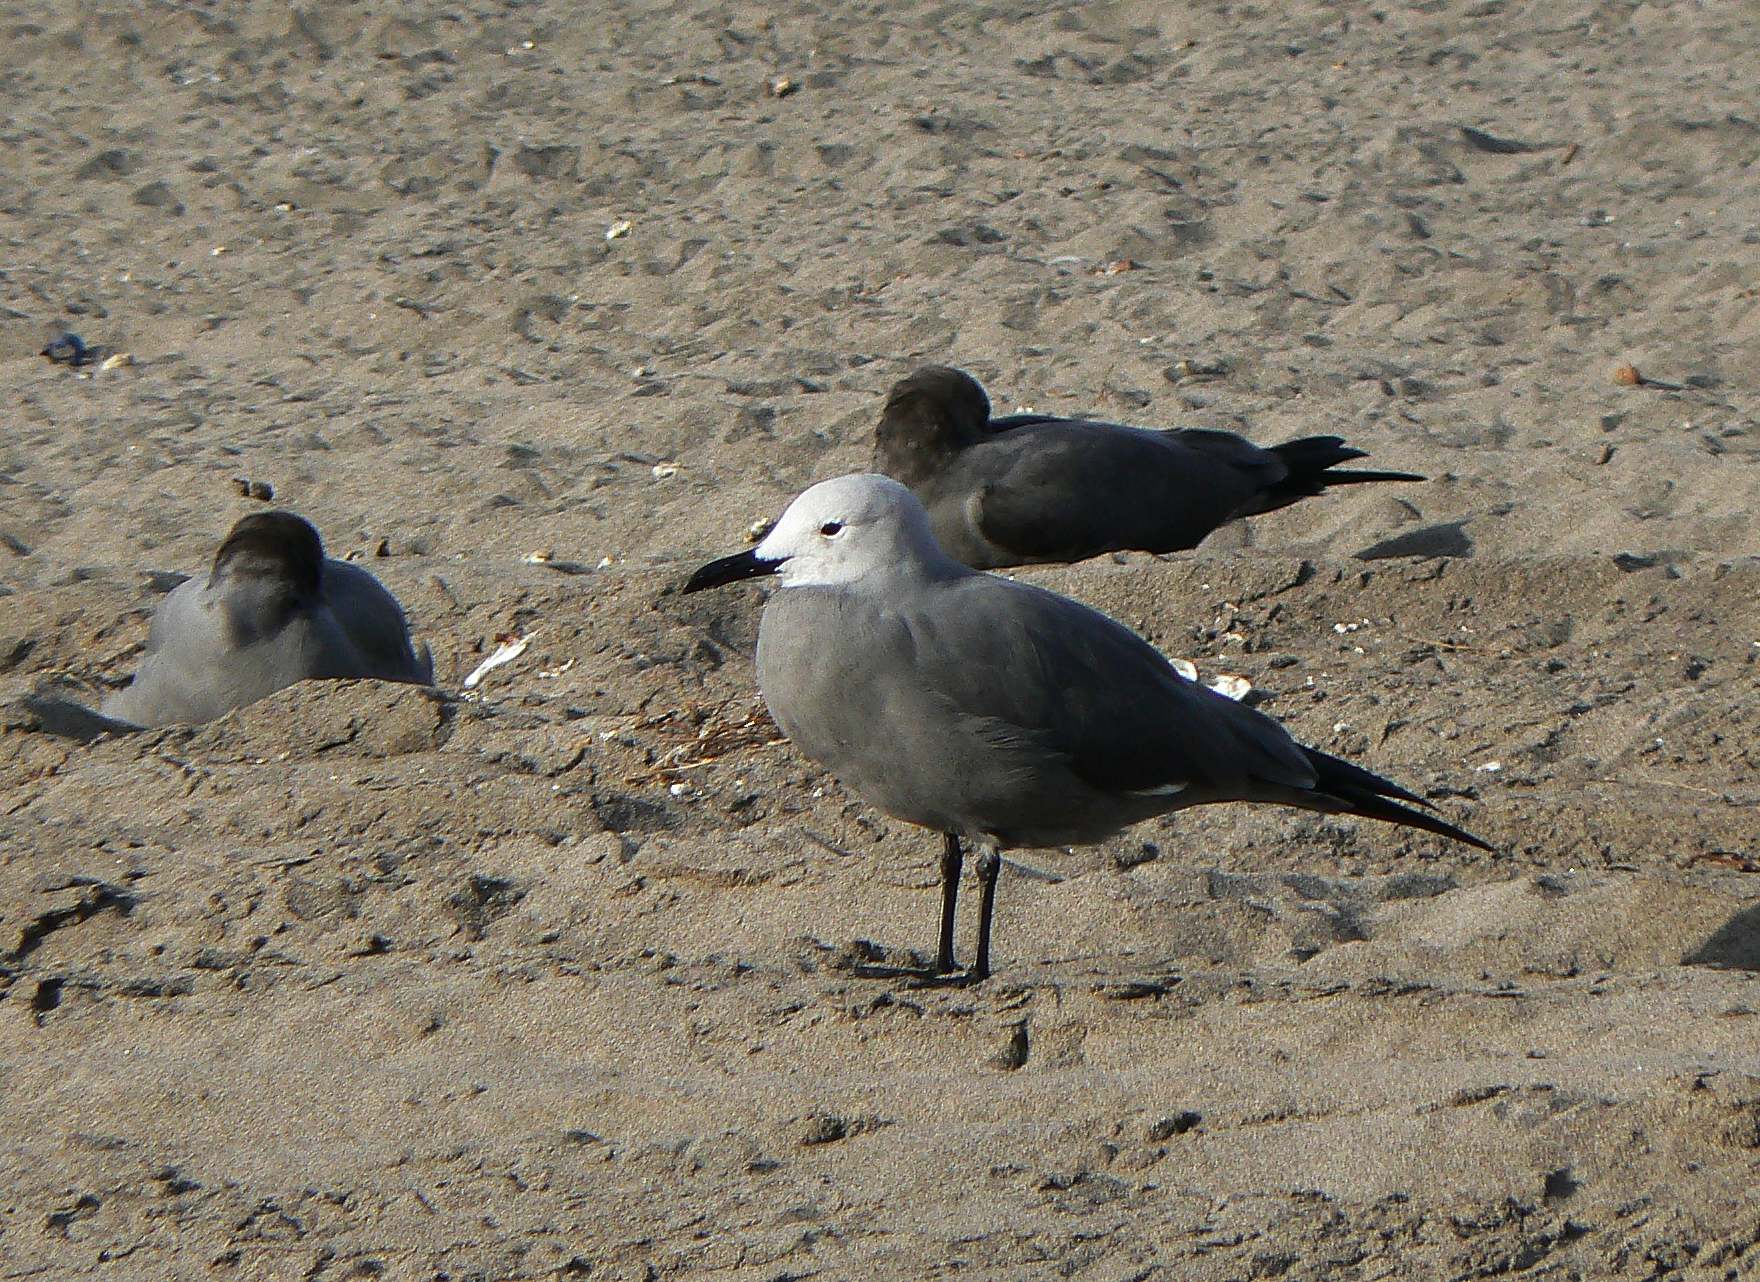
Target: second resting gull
1030,488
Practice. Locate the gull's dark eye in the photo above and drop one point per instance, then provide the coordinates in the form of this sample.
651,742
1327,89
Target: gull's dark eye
831,528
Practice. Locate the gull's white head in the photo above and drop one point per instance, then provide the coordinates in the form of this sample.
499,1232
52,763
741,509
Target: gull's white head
837,532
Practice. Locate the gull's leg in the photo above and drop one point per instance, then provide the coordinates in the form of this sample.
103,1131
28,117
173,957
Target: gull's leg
952,861
989,869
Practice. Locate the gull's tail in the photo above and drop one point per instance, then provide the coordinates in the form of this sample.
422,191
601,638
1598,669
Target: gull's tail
1313,466
60,716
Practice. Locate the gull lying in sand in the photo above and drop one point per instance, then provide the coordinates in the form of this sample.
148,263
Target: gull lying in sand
1034,487
994,712
274,611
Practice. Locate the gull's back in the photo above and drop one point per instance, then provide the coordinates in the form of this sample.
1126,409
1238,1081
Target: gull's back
375,625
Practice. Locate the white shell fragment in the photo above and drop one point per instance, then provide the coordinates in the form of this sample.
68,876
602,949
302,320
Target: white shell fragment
507,652
1232,685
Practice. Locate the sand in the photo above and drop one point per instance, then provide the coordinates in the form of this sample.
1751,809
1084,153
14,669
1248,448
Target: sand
586,976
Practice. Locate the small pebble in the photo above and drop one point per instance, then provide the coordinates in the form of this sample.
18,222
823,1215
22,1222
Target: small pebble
67,349
823,1128
1168,1127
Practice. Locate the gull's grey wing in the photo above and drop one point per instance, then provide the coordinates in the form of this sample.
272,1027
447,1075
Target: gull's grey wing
1141,738
1067,491
1092,691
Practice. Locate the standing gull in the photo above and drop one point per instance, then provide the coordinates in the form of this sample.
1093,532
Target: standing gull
1034,487
994,712
274,611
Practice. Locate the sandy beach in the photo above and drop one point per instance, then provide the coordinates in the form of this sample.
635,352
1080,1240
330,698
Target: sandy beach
533,308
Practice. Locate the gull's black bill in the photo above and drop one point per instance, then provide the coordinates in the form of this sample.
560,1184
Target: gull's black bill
731,569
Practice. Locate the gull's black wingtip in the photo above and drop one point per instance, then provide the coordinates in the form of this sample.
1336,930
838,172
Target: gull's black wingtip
1390,812
1366,794
1343,476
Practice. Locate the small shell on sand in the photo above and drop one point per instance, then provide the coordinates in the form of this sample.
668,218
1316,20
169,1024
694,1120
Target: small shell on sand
1627,376
1232,685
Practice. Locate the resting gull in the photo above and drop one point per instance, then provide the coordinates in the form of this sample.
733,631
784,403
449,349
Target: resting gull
1032,488
273,611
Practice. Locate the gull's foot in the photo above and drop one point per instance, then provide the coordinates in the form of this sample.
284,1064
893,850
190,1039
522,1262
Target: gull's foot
949,979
